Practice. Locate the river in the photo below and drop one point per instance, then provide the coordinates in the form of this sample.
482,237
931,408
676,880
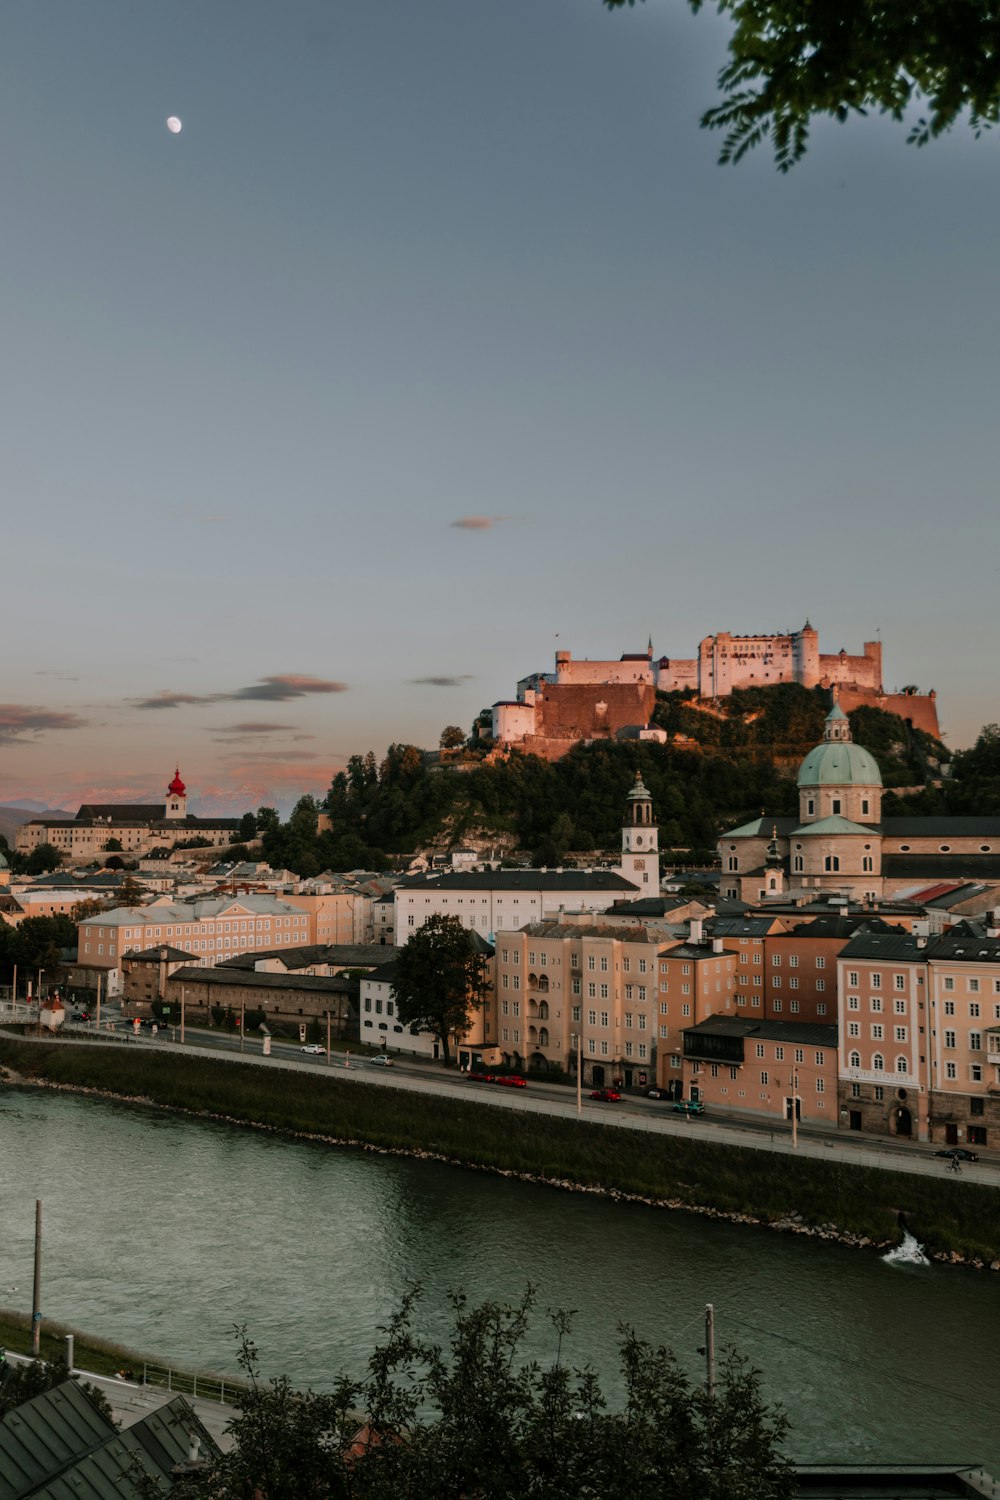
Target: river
163,1233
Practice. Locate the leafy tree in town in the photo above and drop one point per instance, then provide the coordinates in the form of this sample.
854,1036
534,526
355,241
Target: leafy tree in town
248,828
480,1417
20,1383
130,892
42,859
114,846
791,61
439,980
39,942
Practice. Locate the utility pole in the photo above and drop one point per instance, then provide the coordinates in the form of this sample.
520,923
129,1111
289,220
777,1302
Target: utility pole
243,1012
328,1038
710,1350
182,1015
36,1296
98,1013
579,1073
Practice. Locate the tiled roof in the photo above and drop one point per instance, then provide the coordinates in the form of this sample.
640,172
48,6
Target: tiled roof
795,1032
890,946
334,984
519,880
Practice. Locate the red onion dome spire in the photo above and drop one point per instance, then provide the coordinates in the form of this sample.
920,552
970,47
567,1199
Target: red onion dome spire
177,787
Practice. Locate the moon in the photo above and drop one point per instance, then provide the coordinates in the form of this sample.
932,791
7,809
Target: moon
174,125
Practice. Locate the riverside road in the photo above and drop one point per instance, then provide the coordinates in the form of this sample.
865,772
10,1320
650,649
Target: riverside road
558,1100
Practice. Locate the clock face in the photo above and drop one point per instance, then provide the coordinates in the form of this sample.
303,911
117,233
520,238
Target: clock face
640,864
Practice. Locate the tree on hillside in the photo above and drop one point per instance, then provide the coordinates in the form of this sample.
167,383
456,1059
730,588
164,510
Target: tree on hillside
481,1417
42,859
439,980
247,828
791,61
452,737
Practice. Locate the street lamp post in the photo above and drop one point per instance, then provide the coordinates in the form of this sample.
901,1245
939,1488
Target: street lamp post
578,1043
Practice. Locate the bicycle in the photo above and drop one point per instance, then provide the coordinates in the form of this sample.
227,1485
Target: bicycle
954,1167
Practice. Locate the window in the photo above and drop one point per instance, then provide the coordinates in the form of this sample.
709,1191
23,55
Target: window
902,1066
899,1006
779,1054
760,1049
876,981
831,863
975,1041
852,977
855,1087
854,1061
793,983
853,1029
976,1073
878,1063
820,1086
853,1003
820,986
899,1033
950,1070
604,1018
973,1009
876,1032
821,1008
763,1078
974,986
776,982
776,1006
876,1003
899,981
949,1007
793,961
776,960
949,1039
949,983
879,1090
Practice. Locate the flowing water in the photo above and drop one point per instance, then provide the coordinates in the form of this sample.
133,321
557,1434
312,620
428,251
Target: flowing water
163,1233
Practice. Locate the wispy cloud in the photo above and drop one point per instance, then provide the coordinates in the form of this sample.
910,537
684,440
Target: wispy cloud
254,726
167,699
268,757
18,721
478,523
279,689
442,681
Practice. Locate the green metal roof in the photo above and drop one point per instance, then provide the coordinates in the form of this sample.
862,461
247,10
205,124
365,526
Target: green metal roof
839,763
834,824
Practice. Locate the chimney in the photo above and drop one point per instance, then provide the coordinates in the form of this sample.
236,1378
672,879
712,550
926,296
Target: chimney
695,929
716,945
921,942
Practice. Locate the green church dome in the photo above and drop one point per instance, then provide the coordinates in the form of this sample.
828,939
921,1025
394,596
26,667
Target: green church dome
839,763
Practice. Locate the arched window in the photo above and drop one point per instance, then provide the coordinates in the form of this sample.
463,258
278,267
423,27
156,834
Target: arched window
734,862
878,1063
543,1037
855,1060
902,1065
867,863
832,862
799,863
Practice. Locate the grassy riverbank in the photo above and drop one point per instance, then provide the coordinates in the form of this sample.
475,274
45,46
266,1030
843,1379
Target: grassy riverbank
947,1216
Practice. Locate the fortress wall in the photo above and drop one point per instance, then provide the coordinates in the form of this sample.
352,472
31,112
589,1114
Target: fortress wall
569,672
577,711
865,671
919,708
675,674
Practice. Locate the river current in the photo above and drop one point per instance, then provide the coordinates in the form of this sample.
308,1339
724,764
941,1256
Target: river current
163,1233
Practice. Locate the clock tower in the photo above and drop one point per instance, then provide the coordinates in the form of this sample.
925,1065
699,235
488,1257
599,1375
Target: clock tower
640,841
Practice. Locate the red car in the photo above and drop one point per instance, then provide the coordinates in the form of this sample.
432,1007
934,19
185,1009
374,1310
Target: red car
511,1081
482,1078
607,1096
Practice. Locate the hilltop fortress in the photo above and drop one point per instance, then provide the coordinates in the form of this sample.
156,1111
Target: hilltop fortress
590,700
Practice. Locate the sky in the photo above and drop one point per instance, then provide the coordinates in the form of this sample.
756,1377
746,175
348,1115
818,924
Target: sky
437,340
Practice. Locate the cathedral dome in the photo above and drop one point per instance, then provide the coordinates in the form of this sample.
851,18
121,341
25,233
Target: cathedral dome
177,787
838,761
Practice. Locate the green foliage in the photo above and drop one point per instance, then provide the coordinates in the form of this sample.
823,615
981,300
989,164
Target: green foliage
42,859
20,1383
38,943
479,1417
439,980
452,737
975,783
791,61
248,828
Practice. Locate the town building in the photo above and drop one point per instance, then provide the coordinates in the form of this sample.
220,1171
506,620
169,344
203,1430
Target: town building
134,829
763,1068
207,930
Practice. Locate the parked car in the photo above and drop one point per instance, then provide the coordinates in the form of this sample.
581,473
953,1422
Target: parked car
689,1107
511,1081
607,1096
958,1153
482,1078
314,1050
657,1094
381,1061
80,1015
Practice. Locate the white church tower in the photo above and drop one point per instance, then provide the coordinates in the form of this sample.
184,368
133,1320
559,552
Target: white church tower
640,841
